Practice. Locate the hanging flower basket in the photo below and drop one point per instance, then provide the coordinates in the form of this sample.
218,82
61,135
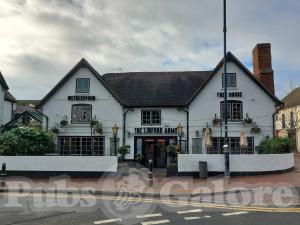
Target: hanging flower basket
255,130
216,122
64,123
93,123
248,121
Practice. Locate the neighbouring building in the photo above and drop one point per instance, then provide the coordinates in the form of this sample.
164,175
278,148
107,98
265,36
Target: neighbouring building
148,107
7,102
287,118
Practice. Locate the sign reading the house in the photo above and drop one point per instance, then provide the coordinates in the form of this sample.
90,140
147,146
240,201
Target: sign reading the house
231,94
155,130
81,98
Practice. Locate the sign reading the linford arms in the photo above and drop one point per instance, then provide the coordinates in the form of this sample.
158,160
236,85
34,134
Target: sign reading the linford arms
231,94
155,130
81,98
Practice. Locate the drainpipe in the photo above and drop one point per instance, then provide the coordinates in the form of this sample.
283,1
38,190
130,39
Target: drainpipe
124,125
273,117
187,129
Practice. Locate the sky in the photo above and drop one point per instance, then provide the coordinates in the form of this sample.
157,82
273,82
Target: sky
41,40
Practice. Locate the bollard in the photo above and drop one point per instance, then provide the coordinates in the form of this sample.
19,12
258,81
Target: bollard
3,175
150,173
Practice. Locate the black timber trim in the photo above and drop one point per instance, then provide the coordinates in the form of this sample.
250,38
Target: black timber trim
80,64
232,58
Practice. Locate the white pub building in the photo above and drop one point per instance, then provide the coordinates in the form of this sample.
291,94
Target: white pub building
144,109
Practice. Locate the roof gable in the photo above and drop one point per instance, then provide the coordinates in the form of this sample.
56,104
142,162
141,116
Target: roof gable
82,63
231,58
292,99
3,82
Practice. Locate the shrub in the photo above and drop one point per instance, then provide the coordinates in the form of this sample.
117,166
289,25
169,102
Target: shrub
26,141
276,146
123,151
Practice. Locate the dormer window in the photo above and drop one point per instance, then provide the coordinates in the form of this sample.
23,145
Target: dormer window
231,80
82,85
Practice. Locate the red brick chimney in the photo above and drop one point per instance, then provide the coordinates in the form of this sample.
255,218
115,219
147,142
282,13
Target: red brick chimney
262,65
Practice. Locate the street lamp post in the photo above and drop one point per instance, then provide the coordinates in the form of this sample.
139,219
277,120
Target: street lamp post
179,130
226,147
115,129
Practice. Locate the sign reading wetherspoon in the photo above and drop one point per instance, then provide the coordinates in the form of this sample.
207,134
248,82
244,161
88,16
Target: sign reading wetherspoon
155,130
81,98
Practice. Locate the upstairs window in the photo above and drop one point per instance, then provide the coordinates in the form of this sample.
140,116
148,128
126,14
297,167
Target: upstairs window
283,124
292,118
81,113
234,110
151,117
231,80
82,85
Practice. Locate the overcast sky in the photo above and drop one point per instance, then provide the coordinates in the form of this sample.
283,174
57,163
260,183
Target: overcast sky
41,40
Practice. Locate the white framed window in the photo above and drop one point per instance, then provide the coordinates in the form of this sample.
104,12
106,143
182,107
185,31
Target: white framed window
234,110
231,80
82,85
151,117
81,113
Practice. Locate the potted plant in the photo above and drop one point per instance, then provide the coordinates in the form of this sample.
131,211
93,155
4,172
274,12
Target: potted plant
64,121
248,120
216,121
123,166
98,128
171,165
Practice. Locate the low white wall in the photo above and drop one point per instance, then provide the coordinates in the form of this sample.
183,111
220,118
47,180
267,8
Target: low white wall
238,163
61,163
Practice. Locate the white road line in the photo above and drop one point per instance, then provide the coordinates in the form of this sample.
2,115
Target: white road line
190,211
207,216
192,218
108,221
148,215
155,222
235,213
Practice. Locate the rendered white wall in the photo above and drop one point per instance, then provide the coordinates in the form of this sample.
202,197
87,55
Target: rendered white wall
170,117
7,111
238,163
256,103
60,163
106,108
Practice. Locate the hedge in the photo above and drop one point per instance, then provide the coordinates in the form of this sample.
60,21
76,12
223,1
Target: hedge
26,141
277,145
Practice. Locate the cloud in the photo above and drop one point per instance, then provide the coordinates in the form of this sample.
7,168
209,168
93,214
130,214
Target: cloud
42,39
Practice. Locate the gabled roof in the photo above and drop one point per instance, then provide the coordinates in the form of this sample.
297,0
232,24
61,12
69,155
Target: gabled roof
80,64
3,82
153,89
9,97
292,99
232,58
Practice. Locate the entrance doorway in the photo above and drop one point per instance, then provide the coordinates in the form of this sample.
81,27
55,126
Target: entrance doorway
154,148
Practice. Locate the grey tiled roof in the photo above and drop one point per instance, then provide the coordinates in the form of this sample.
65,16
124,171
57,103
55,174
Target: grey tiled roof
292,99
9,97
156,88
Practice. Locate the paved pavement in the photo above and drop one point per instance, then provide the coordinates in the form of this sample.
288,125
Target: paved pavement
65,210
276,189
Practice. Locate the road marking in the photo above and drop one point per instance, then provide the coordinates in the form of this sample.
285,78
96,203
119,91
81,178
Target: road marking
192,218
190,211
235,213
155,222
207,216
108,221
158,201
148,215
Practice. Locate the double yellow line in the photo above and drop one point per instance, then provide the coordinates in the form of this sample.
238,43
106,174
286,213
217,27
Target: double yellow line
156,201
